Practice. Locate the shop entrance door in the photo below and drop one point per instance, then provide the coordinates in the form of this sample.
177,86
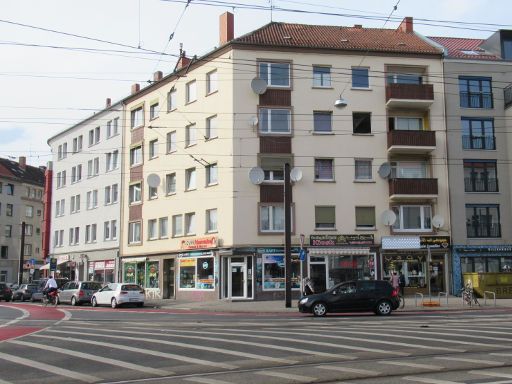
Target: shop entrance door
238,277
169,278
318,275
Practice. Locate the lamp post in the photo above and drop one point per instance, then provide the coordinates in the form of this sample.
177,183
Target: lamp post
287,236
22,253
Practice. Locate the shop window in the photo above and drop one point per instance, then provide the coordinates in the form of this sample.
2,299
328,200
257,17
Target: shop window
197,273
151,275
274,274
129,272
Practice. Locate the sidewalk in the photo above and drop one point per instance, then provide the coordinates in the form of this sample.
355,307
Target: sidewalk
278,306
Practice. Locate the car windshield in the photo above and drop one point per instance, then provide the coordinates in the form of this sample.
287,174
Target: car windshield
32,286
91,286
130,287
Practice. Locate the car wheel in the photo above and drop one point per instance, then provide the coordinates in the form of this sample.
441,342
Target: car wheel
319,309
383,308
94,303
73,301
113,303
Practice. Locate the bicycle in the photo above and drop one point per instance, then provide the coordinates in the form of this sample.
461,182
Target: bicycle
469,296
51,298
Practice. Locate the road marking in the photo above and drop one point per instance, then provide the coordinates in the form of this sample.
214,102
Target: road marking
288,376
492,374
105,360
49,368
24,315
501,354
429,380
474,361
170,356
4,382
349,370
67,316
412,365
206,380
183,345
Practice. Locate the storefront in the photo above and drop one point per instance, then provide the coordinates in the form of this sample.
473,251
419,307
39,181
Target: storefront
143,272
102,271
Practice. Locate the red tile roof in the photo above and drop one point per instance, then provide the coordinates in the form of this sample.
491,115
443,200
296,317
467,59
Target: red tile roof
338,38
459,47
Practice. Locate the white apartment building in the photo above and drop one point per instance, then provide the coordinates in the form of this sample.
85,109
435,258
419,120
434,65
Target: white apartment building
86,196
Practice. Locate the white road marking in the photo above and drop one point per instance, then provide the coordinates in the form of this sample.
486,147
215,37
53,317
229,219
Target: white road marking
24,315
465,360
4,382
183,345
67,316
349,370
99,359
170,356
429,380
492,374
501,354
412,365
287,376
206,380
49,368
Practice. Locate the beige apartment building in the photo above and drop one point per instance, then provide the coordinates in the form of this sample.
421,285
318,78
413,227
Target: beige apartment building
357,112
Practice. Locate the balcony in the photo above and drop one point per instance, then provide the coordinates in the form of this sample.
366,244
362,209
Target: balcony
483,230
476,100
417,142
472,184
411,96
412,189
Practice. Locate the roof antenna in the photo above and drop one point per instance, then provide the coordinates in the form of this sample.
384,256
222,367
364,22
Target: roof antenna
139,25
271,8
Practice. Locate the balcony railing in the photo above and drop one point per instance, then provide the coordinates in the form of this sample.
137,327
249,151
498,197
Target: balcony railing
472,184
483,230
411,138
413,187
476,100
410,91
478,142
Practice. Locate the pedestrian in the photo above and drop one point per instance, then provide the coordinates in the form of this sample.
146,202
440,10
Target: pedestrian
401,283
308,287
394,280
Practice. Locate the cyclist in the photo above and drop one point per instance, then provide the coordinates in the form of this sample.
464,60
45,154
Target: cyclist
50,286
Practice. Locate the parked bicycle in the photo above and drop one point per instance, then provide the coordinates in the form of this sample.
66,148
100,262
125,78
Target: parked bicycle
468,295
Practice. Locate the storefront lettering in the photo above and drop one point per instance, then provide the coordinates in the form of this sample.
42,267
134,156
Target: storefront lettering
336,240
497,249
199,243
434,241
507,290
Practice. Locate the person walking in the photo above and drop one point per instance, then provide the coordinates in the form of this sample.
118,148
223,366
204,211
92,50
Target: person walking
401,283
394,280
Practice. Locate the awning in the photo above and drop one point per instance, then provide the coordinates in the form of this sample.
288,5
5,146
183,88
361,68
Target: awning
134,259
338,251
46,266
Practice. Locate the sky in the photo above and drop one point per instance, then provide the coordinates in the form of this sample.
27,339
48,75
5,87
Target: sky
51,81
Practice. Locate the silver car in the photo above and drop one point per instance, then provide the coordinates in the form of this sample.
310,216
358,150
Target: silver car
78,292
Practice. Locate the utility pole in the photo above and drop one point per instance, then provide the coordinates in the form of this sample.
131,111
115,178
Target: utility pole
22,251
287,236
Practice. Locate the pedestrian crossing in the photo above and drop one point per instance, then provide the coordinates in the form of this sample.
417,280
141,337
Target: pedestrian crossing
436,350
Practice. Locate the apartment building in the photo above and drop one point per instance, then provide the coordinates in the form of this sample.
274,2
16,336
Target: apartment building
476,75
86,196
357,112
21,201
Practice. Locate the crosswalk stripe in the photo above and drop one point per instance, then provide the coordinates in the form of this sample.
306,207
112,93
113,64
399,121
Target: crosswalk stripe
183,345
104,360
412,365
492,374
289,376
428,380
501,354
170,356
349,370
206,380
49,368
4,382
465,360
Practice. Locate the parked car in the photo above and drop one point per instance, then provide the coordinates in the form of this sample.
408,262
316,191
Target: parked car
5,292
24,292
38,294
13,286
115,294
353,296
78,292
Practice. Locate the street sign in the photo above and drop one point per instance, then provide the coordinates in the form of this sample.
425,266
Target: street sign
302,254
53,264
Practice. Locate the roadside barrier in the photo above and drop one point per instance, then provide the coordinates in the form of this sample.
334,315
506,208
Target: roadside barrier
489,293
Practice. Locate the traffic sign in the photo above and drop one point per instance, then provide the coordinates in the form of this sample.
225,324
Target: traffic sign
53,264
302,254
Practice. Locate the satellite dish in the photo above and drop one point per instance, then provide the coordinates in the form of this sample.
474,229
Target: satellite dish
256,175
388,217
437,221
253,121
153,180
296,174
384,170
258,86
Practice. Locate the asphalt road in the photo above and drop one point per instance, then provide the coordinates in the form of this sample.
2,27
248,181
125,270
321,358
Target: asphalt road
103,345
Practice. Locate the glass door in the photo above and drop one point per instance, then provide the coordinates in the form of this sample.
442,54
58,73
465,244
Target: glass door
238,277
318,273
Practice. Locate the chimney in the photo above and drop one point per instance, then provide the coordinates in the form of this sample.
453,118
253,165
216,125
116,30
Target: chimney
358,26
227,28
406,25
22,161
157,76
183,61
108,103
135,88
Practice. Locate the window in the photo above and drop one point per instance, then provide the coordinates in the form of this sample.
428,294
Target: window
60,207
92,199
112,127
134,193
321,77
170,184
152,193
190,179
96,166
77,144
29,211
211,174
197,273
106,230
91,137
39,212
9,210
61,179
363,169
478,133
152,232
8,230
90,233
153,148
58,238
360,77
191,91
27,251
322,122
134,232
275,120
110,230
171,100
324,170
405,123
136,155
115,193
4,255
96,135
74,235
75,204
154,111
273,175
62,151
111,194
483,220
211,128
76,173
211,82
365,217
413,218
362,122
177,225
404,78
325,217
271,218
29,230
190,223
112,160
211,220
171,142
137,118
274,272
9,188
480,176
275,74
190,135
163,227
475,92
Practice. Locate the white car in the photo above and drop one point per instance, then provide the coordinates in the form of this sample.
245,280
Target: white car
115,294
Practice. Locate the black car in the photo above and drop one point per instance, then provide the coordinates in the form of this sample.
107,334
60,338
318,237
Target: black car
5,292
353,296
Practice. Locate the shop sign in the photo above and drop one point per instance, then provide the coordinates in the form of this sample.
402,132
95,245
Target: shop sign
199,243
195,254
276,250
99,265
336,240
187,262
110,264
435,242
497,249
62,259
